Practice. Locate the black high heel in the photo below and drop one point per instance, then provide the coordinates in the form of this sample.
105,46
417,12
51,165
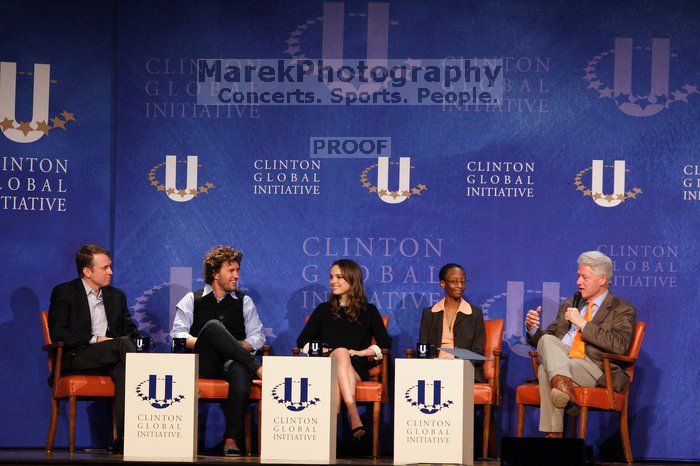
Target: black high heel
359,432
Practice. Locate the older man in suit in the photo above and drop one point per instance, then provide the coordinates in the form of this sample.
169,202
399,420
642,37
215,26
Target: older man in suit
570,347
91,318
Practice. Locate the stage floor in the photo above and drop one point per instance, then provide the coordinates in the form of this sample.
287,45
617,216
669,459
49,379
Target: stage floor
97,457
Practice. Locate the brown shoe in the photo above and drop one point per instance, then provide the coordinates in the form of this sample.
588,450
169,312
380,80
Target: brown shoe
562,391
554,435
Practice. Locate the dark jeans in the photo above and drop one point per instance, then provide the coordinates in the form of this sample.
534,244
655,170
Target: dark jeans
221,356
107,358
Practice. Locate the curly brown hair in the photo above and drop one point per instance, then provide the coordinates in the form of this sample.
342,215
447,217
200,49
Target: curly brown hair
356,298
216,258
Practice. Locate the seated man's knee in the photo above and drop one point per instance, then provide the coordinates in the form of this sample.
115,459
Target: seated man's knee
545,340
213,324
127,344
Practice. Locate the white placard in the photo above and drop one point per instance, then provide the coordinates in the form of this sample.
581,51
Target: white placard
299,409
434,411
160,419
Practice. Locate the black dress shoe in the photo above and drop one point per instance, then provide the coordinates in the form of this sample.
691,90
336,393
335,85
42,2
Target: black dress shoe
358,432
118,446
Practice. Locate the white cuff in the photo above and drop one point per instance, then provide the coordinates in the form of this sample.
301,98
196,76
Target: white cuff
93,340
377,352
305,349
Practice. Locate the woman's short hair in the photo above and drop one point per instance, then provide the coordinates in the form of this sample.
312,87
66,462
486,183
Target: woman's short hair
445,268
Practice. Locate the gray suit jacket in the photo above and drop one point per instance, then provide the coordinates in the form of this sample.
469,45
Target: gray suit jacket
610,331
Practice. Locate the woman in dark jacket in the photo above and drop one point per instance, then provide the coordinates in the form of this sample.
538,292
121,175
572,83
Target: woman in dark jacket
347,323
452,322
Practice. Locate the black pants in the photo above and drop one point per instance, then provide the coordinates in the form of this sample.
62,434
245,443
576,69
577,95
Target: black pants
221,356
107,358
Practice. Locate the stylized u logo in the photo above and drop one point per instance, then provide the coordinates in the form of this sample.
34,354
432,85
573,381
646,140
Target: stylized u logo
437,397
182,195
393,197
618,195
153,387
515,312
377,39
303,394
25,132
660,68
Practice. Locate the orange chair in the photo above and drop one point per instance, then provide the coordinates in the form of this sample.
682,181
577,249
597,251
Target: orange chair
71,386
596,398
375,390
217,389
488,394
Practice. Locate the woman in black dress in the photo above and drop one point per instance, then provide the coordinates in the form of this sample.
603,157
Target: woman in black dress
347,323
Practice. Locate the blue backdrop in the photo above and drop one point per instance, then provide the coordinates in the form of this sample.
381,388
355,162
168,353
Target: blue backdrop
594,146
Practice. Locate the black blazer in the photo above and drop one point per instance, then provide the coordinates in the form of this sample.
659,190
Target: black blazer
469,333
70,322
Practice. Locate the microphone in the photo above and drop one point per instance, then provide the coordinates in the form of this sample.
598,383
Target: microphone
574,303
576,300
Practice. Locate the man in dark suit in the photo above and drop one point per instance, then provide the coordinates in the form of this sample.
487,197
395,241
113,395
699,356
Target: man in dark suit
92,320
570,347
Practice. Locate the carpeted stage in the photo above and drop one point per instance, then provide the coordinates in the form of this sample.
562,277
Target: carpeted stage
103,457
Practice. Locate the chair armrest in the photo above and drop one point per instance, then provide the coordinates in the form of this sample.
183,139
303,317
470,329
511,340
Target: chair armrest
385,375
266,350
496,381
409,353
55,354
618,357
52,346
296,351
534,355
607,371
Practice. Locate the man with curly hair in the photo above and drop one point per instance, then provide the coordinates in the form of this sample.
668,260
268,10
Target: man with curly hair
222,325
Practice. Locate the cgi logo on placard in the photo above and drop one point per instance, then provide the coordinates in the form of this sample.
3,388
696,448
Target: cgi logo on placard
170,188
40,124
370,147
290,387
596,190
621,92
415,396
166,399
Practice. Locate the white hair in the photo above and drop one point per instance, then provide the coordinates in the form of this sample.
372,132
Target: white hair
599,263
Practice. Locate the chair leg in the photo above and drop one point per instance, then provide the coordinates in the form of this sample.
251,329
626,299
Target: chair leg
485,433
52,424
571,420
582,421
376,412
493,451
72,402
625,435
248,433
520,427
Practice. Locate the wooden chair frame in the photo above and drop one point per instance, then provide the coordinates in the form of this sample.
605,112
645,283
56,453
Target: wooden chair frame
55,356
614,401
